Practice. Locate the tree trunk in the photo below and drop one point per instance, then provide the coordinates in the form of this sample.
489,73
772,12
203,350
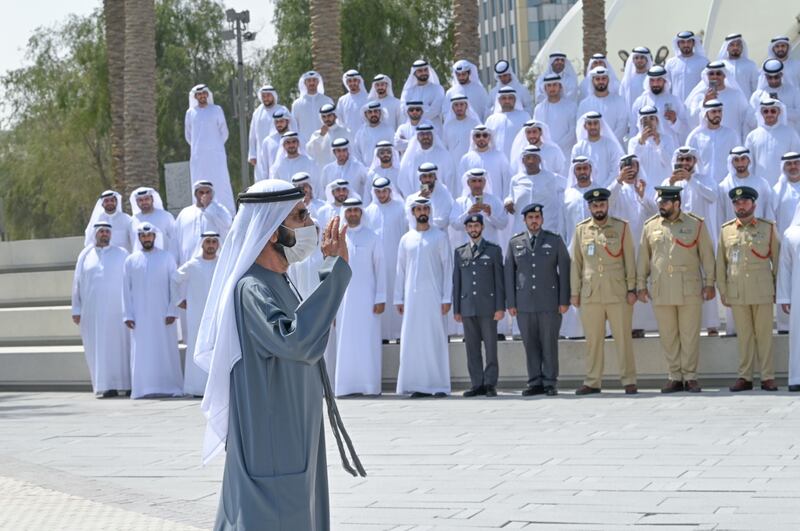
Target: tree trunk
594,29
467,42
326,44
141,148
114,14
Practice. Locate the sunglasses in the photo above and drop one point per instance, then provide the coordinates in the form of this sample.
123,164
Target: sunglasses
769,111
481,135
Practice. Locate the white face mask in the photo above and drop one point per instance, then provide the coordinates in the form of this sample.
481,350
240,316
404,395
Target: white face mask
305,242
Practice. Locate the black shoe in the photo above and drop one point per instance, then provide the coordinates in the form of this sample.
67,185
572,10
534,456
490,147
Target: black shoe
417,394
794,388
550,390
501,337
111,393
440,395
783,332
385,342
477,391
491,391
586,390
672,386
128,393
533,390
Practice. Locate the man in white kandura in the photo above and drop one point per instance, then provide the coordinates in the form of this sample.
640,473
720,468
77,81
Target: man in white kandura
205,215
412,117
386,217
385,163
771,139
603,100
358,329
108,209
713,141
597,60
374,128
558,112
633,79
717,84
382,91
206,132
558,65
345,166
537,133
459,120
483,153
687,62
786,197
423,294
506,119
282,122
192,282
771,85
291,159
432,189
474,199
466,82
352,101
535,181
97,309
597,142
652,146
423,85
261,126
507,79
425,146
150,313
788,294
657,93
305,108
733,53
319,145
147,207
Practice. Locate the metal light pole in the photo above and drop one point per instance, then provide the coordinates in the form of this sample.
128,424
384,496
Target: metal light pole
238,22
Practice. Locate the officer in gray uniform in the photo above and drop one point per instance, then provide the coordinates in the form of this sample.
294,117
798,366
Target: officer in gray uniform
478,303
537,293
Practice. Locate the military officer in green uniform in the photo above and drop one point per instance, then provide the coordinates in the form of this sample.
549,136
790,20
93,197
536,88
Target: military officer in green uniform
676,257
603,285
747,266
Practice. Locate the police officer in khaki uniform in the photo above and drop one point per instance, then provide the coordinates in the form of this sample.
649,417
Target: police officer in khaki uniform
677,257
747,265
603,285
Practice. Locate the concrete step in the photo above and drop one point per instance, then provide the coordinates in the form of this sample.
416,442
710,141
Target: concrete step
64,367
38,255
44,325
35,288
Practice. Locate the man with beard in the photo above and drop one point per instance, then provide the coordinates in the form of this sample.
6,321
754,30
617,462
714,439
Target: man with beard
484,154
385,163
261,125
657,93
425,146
291,159
479,303
423,294
771,86
319,145
346,167
603,286
458,124
651,145
108,209
147,207
713,141
771,139
747,264
636,67
407,129
676,261
740,173
466,82
475,200
537,133
779,48
734,53
597,142
610,104
558,65
716,84
306,107
507,79
350,104
382,91
788,294
374,129
204,215
282,122
423,85
534,181
439,197
558,112
507,118
687,61
538,296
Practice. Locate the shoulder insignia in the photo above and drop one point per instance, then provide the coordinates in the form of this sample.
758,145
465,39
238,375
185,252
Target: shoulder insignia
771,222
728,223
461,246
517,235
651,218
695,216
584,222
619,219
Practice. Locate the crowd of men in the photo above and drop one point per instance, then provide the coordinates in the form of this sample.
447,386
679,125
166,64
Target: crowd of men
581,208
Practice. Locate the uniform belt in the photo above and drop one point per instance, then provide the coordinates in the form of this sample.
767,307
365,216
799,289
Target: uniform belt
671,268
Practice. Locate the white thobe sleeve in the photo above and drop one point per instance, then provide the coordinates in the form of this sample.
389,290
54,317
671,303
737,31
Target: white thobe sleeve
446,256
76,284
458,214
315,147
499,218
252,138
441,212
187,127
783,291
172,308
703,189
127,291
400,276
262,159
400,141
221,125
179,284
379,271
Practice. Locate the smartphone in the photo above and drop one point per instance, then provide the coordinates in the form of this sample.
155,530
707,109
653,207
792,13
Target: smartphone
713,84
478,199
425,187
667,107
627,163
677,166
773,95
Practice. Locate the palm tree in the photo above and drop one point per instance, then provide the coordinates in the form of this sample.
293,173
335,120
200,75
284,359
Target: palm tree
114,15
594,28
326,43
466,44
141,148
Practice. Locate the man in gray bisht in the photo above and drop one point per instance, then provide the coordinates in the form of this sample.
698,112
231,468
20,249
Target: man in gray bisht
263,347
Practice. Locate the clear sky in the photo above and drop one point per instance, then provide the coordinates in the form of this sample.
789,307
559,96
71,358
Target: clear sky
22,17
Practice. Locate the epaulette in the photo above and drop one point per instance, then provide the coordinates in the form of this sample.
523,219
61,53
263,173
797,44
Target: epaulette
730,222
695,216
618,219
491,244
518,234
651,218
584,222
551,233
462,246
771,222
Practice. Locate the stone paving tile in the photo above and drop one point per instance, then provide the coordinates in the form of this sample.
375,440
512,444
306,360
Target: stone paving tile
714,461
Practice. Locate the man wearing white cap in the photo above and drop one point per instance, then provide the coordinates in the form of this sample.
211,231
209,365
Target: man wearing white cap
423,293
358,330
383,92
97,309
205,215
466,82
713,141
610,104
350,104
291,159
347,167
459,120
507,79
507,118
150,314
374,128
192,281
261,122
108,209
305,108
734,53
318,146
386,216
423,85
597,141
687,62
771,85
206,132
558,112
771,139
633,79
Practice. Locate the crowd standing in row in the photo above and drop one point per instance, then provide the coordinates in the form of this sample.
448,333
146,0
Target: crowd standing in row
587,206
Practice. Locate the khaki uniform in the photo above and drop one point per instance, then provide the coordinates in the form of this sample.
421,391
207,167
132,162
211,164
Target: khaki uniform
747,265
678,259
603,271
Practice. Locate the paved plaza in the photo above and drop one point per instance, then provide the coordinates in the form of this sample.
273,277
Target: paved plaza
716,461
